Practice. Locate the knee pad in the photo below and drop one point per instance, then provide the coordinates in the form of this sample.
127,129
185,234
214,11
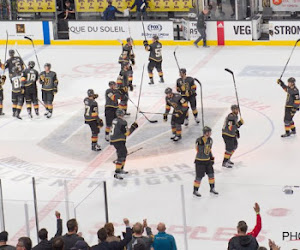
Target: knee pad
211,176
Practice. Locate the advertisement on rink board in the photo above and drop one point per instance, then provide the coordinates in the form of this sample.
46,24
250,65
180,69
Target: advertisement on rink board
284,30
154,5
120,30
232,31
36,5
17,30
285,5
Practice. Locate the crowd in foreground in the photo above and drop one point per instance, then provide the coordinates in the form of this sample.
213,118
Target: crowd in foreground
137,237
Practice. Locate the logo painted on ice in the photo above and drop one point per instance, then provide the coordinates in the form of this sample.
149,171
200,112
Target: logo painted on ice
277,2
154,27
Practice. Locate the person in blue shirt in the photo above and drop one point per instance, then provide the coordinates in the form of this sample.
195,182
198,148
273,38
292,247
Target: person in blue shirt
163,241
141,6
110,12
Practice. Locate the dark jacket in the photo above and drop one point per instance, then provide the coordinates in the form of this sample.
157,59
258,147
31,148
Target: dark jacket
146,241
115,245
47,244
138,4
245,242
70,240
7,247
110,13
201,21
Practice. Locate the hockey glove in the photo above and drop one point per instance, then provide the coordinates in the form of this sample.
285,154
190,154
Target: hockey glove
237,133
133,127
165,117
22,91
55,91
96,96
3,78
241,122
279,81
145,42
212,160
42,78
176,115
132,61
100,123
131,87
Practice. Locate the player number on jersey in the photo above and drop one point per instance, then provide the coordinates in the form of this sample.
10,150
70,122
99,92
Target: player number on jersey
87,110
158,52
31,77
16,83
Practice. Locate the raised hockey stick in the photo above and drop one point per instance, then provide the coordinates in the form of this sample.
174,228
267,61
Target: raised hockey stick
289,59
176,57
142,18
236,93
138,105
37,60
201,99
151,121
5,51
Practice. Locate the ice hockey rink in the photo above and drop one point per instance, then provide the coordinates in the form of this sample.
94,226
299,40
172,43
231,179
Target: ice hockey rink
57,151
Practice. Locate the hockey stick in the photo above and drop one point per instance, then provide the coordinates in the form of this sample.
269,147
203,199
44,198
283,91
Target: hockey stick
176,58
37,60
152,113
132,152
151,121
142,18
201,97
5,51
289,58
138,105
236,93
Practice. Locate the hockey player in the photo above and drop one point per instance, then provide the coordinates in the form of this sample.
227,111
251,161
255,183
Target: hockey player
118,135
230,134
2,82
180,107
187,88
112,95
155,58
92,118
14,64
17,95
204,161
291,105
28,81
49,82
124,82
127,55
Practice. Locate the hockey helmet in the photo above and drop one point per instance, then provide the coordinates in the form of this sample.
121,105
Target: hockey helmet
111,83
31,64
120,112
292,80
234,106
182,70
206,129
129,39
11,52
168,91
47,65
90,93
155,37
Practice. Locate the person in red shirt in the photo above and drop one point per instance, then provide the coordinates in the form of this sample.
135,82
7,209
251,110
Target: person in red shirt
244,239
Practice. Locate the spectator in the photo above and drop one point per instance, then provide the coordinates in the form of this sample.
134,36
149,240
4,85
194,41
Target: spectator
3,241
273,246
81,245
24,243
103,244
138,237
201,27
163,241
109,227
139,246
262,248
110,12
242,240
69,10
58,243
46,244
71,237
141,6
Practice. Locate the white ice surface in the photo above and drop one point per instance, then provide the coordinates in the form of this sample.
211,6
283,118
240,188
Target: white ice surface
58,149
